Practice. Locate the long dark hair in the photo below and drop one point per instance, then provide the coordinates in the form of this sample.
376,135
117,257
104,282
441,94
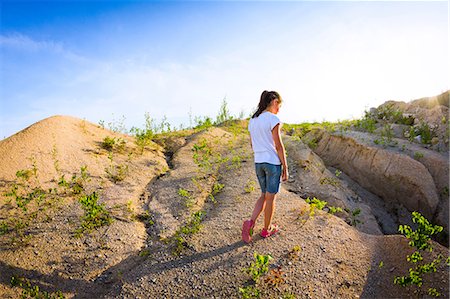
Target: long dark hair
266,98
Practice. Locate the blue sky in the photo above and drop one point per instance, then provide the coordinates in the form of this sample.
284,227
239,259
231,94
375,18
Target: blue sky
101,60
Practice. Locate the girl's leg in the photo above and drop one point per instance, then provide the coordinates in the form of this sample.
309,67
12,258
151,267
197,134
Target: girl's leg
259,207
269,201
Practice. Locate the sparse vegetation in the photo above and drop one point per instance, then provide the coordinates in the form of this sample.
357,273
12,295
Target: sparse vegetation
425,132
330,181
418,155
224,114
95,215
249,291
354,216
317,204
275,277
116,172
187,196
294,253
337,172
420,239
191,227
33,291
259,266
217,188
367,123
250,186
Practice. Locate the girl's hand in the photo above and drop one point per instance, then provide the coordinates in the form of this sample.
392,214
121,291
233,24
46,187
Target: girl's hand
285,174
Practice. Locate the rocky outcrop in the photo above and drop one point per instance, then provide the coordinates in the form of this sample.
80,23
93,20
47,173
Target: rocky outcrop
430,113
311,178
395,177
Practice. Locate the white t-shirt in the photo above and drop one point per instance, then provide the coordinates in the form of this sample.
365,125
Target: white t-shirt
262,141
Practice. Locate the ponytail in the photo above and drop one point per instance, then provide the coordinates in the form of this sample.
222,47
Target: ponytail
266,98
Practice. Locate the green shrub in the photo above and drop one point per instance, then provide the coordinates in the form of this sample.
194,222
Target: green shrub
33,291
117,173
186,195
418,155
367,123
217,188
425,132
420,239
354,215
108,143
259,267
224,114
4,228
249,291
191,227
95,215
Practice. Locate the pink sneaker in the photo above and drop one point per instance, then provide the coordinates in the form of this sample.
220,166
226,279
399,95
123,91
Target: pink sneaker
265,233
247,230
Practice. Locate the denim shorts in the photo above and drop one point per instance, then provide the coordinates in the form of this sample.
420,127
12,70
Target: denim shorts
268,177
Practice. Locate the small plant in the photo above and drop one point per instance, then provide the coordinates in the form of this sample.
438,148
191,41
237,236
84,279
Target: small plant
34,168
249,291
22,200
146,217
202,154
250,186
294,253
288,295
337,172
433,292
387,133
312,143
236,161
33,291
329,181
203,123
425,132
116,173
95,215
420,239
354,215
54,153
118,126
224,114
24,174
77,182
217,188
186,195
333,210
4,228
108,143
190,228
418,155
275,277
259,267
315,204
145,252
367,123
111,143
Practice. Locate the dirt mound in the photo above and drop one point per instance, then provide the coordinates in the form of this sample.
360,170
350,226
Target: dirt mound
46,170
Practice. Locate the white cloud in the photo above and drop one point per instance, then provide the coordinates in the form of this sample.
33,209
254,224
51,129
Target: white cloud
21,42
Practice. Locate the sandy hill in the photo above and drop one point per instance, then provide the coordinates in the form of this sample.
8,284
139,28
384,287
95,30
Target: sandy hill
89,213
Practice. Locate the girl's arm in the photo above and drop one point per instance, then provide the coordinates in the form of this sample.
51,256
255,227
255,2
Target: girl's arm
279,146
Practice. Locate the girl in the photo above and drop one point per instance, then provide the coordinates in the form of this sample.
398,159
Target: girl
270,162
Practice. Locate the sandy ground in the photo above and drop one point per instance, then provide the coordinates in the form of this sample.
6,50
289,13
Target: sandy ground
318,256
